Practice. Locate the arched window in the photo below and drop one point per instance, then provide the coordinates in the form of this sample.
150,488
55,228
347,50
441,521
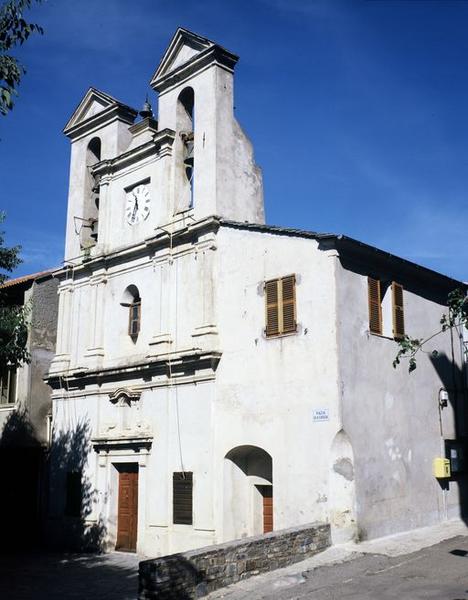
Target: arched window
185,127
93,154
132,301
89,229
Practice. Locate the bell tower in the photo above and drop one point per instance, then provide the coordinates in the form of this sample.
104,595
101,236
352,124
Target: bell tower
214,171
98,130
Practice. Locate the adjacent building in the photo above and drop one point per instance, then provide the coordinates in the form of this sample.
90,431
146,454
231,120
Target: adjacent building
216,377
26,412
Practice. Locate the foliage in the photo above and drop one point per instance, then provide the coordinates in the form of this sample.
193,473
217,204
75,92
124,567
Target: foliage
14,31
9,257
456,318
13,318
13,335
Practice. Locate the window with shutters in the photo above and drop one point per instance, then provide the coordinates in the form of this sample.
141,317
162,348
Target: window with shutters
134,318
132,302
182,498
375,305
7,385
386,313
398,312
280,306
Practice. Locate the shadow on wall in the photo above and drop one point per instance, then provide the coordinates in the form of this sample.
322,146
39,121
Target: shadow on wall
72,523
453,379
175,577
46,498
22,468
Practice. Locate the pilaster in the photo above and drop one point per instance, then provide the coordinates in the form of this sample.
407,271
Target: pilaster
61,360
161,340
205,335
95,349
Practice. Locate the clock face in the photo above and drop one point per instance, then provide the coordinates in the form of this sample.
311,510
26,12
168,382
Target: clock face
138,204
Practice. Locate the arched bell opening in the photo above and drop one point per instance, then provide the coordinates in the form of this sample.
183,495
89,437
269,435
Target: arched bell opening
89,223
185,148
248,492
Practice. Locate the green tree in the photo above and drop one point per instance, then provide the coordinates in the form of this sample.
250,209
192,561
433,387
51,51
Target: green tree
13,318
14,31
456,319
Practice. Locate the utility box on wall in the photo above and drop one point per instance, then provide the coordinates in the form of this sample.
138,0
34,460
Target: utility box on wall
454,452
441,468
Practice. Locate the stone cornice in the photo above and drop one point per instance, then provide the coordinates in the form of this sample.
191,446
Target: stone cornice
134,443
108,115
149,246
146,124
214,55
171,364
159,145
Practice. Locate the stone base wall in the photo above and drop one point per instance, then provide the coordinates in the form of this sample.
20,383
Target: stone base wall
195,573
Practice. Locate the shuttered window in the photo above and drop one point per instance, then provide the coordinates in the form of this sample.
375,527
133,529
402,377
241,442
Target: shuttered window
182,498
375,305
280,306
398,313
134,318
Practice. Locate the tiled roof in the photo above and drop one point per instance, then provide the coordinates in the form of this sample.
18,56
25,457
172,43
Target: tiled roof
26,278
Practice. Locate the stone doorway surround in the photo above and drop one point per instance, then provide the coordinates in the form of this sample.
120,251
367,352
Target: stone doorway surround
118,444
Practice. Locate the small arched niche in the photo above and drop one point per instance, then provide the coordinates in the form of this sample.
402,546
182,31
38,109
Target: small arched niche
89,225
248,492
342,494
131,301
185,152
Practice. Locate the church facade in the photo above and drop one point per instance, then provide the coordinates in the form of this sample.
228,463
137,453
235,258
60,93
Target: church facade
216,377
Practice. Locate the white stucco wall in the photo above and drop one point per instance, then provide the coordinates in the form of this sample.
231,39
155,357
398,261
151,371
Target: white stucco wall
391,416
267,388
263,395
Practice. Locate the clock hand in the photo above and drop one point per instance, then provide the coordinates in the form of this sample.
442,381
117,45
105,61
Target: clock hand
135,207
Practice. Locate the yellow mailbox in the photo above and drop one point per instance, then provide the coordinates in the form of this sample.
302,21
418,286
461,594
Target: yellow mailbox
441,468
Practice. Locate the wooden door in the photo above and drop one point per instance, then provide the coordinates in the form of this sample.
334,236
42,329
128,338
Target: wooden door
127,519
267,493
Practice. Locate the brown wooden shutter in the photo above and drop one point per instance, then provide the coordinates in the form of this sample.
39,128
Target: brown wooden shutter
272,307
398,312
134,318
288,309
182,489
375,307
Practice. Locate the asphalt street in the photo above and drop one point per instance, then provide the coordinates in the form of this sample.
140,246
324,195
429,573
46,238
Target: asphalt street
46,576
439,572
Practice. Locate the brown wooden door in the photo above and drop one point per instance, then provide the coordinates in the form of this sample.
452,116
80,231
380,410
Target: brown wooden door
267,493
127,520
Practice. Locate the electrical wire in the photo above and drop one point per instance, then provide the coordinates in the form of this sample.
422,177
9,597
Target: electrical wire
172,388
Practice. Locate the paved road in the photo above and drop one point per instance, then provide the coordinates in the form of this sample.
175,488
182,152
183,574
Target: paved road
439,572
69,576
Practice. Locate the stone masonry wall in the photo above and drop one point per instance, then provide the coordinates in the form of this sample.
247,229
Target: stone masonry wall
195,573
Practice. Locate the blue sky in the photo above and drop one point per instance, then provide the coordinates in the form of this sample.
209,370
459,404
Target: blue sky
357,110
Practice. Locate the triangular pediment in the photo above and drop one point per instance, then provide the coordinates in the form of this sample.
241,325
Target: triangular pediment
184,46
93,103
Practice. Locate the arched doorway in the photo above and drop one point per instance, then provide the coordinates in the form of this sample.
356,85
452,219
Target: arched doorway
342,496
248,492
